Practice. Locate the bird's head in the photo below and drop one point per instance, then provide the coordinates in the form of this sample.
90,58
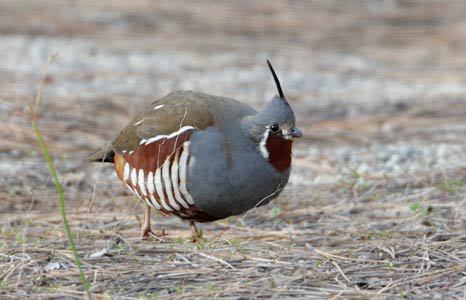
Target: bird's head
273,128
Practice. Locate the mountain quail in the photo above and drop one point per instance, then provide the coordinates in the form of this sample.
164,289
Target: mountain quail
202,157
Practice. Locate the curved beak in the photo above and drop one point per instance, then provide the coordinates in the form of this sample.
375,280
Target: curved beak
296,133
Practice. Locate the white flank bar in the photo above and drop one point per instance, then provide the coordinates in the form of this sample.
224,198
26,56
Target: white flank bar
150,183
154,201
183,167
137,194
176,186
133,190
134,177
128,186
151,190
159,189
142,182
126,169
168,185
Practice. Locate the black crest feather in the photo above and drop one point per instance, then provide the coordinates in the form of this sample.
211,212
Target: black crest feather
277,82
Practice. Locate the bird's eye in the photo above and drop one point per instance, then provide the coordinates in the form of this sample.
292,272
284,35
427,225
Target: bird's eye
274,127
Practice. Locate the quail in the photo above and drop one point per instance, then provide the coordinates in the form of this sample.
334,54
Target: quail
202,157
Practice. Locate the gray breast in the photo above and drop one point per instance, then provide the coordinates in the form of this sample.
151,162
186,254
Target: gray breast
228,178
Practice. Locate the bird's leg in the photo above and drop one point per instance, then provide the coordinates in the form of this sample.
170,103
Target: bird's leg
146,231
195,233
145,228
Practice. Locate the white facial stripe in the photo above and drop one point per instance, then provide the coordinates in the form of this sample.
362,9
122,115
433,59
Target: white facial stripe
159,189
159,107
163,136
182,168
176,188
168,185
263,145
126,172
142,182
134,177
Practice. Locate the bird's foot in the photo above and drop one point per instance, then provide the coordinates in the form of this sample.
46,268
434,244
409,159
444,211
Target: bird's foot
148,233
196,234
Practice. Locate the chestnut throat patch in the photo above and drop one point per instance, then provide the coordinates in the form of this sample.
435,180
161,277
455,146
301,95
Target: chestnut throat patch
279,150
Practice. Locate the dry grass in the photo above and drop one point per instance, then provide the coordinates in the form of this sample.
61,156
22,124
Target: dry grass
399,238
376,205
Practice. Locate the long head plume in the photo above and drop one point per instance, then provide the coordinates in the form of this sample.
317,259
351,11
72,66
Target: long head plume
277,82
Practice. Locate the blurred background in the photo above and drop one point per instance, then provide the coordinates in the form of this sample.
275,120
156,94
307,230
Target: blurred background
387,76
378,88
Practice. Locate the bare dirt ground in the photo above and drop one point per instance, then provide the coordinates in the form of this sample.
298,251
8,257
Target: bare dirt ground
375,207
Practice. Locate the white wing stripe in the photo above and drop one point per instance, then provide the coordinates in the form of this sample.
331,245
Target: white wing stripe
180,131
154,139
163,136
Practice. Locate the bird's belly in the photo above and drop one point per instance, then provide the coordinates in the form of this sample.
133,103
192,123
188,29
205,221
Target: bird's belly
223,188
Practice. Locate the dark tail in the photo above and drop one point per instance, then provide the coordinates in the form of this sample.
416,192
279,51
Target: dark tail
103,154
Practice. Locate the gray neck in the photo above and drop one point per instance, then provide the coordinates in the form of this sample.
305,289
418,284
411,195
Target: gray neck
254,126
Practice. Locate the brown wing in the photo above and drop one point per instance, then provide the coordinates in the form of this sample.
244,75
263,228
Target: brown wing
152,154
165,116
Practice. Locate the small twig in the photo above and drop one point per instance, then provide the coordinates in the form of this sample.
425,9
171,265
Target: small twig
340,271
431,275
186,260
217,260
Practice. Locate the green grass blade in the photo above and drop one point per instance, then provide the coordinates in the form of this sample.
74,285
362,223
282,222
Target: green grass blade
61,200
